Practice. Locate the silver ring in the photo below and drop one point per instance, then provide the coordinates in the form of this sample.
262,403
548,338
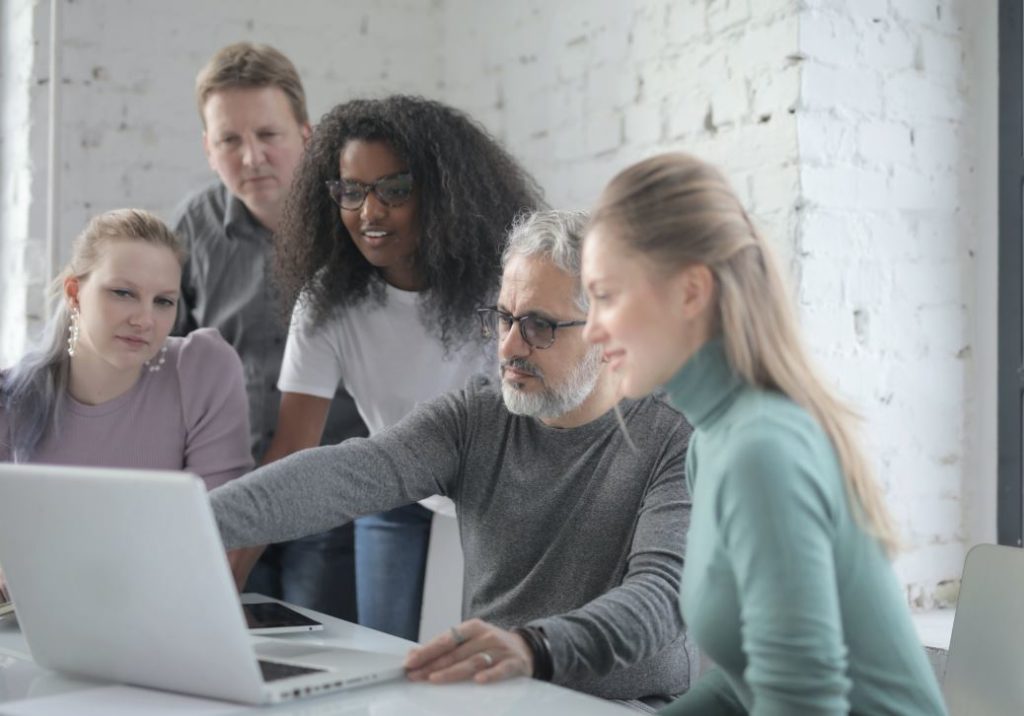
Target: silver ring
488,659
458,637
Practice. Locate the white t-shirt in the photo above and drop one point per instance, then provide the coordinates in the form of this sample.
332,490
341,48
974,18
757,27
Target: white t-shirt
383,355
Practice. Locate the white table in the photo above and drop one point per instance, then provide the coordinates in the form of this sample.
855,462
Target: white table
21,678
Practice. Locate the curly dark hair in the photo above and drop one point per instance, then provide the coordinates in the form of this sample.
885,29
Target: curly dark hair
469,191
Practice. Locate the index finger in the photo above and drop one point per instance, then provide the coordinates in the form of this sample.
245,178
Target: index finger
438,646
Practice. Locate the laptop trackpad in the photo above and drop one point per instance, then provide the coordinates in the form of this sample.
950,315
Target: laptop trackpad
325,657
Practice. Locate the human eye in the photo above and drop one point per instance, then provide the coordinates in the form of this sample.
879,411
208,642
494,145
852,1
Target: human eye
229,141
599,294
121,292
268,134
165,302
504,320
351,191
540,324
395,189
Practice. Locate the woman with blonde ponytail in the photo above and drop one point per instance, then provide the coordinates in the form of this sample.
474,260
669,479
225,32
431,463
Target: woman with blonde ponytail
787,585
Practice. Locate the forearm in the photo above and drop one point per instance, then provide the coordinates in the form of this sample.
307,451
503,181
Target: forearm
314,490
639,618
305,493
633,622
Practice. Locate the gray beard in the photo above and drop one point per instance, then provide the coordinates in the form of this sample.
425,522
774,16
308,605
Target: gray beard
553,402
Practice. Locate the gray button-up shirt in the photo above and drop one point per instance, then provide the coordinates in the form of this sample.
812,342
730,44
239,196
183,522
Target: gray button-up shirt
227,284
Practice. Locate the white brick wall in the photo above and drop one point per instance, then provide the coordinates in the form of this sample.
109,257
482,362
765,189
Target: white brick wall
131,130
130,133
886,233
860,134
23,134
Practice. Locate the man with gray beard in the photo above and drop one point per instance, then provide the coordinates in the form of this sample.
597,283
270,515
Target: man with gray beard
573,519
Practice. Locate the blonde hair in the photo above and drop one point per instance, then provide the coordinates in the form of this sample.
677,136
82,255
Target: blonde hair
32,391
677,210
247,65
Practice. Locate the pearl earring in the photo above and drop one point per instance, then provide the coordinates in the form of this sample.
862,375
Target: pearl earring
160,359
73,331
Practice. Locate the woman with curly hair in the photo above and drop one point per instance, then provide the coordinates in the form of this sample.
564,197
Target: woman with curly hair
391,238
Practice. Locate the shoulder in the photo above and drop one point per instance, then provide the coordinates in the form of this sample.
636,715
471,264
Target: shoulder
762,420
202,352
202,206
776,448
484,389
304,325
478,402
654,416
480,392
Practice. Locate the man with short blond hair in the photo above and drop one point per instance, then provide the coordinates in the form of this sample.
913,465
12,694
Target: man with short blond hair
255,128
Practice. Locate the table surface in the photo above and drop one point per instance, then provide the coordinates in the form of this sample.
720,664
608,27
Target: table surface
21,679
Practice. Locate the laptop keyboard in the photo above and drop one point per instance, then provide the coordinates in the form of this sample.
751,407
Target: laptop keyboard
273,671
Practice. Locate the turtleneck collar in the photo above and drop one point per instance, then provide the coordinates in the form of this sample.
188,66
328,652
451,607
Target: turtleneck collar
705,385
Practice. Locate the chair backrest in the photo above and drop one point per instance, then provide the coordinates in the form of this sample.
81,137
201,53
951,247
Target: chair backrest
985,666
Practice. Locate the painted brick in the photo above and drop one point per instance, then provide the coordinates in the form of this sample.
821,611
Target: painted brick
846,91
809,107
724,15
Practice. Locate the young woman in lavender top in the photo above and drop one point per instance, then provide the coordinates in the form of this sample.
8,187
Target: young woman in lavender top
108,387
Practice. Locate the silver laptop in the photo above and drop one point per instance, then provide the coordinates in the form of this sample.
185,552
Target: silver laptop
985,666
121,575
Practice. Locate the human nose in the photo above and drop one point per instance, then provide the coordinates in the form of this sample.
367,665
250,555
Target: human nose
143,316
512,344
253,154
593,332
372,207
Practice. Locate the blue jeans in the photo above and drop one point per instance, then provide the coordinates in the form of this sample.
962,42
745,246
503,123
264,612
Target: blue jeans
391,558
317,571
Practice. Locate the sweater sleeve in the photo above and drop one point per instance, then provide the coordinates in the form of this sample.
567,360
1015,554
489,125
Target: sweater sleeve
777,512
640,617
314,490
215,407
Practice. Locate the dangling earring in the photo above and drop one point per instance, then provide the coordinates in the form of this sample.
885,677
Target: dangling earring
162,355
73,331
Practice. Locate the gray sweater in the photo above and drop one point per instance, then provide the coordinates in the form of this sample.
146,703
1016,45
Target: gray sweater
569,530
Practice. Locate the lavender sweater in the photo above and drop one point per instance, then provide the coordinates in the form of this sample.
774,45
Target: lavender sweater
190,415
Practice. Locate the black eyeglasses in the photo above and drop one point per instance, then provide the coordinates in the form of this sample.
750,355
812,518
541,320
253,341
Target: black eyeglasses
392,190
536,331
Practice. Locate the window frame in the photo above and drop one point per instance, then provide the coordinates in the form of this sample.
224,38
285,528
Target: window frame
1010,500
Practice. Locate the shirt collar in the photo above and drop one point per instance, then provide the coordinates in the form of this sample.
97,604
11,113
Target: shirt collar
705,385
239,221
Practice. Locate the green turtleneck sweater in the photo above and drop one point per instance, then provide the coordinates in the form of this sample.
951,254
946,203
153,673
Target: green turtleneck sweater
783,589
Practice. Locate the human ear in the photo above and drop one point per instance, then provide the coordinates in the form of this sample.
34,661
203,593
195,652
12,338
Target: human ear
207,152
71,286
695,288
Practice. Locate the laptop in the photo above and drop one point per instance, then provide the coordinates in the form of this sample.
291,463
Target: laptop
985,664
121,575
